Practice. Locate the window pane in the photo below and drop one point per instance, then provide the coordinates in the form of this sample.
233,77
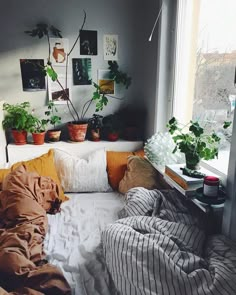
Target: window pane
215,93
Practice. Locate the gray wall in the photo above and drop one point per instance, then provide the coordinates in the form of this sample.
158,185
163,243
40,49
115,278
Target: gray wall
132,20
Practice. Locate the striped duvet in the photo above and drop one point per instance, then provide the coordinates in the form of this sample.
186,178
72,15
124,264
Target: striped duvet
159,247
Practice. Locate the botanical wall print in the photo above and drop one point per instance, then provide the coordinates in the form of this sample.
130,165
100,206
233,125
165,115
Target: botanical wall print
105,82
59,49
82,71
55,92
88,43
110,47
33,78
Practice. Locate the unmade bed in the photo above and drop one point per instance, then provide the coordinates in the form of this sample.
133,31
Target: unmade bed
75,233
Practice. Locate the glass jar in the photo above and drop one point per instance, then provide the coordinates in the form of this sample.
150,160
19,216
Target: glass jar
211,186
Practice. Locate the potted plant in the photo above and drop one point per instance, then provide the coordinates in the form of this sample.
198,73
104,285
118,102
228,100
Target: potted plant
78,127
18,120
197,143
112,126
38,129
55,133
95,125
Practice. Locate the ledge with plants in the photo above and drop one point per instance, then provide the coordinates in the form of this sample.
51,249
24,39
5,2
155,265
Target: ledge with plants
99,98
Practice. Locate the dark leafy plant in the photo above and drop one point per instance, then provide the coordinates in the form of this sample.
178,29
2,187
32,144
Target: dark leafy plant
18,116
196,142
95,122
118,76
112,123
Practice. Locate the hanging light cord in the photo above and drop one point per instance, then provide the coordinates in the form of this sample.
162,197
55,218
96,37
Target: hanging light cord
159,13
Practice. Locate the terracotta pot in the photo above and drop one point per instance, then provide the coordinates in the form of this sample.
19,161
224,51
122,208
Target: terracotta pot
53,135
113,136
20,137
95,135
77,131
38,138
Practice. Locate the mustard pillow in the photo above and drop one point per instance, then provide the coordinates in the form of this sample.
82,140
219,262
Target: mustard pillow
117,164
43,165
140,173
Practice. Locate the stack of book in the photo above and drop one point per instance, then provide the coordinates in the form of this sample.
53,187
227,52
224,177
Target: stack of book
185,184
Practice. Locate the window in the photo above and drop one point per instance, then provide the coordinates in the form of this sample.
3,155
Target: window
204,87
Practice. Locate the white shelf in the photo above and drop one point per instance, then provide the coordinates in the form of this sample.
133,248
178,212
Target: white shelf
28,151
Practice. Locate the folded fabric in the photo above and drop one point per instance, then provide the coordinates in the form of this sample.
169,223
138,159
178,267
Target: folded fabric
43,165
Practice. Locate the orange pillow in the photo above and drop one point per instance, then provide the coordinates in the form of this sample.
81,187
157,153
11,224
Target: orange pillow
43,165
117,164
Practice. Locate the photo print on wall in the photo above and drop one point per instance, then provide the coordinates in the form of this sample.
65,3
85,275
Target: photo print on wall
55,92
59,50
106,84
88,43
82,68
33,78
110,47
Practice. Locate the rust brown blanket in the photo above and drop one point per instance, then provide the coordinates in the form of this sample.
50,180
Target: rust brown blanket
24,201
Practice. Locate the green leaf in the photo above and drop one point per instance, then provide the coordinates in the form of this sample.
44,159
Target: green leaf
227,124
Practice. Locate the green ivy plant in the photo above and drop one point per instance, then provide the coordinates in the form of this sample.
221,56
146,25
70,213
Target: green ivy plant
197,143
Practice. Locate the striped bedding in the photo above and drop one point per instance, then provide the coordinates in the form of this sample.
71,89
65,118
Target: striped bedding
159,247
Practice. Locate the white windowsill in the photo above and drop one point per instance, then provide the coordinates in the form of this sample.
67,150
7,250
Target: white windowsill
219,165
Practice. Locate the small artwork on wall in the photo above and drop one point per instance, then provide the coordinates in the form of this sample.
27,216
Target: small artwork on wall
82,71
33,78
106,84
88,43
56,93
110,47
59,50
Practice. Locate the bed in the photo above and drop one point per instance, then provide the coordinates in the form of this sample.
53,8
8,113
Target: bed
72,241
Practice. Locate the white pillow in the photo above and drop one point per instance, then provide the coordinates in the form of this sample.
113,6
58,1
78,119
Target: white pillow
82,175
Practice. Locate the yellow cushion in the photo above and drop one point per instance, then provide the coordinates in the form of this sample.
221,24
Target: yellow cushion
43,165
117,164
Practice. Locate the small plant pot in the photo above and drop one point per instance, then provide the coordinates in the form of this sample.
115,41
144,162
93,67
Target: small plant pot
192,161
95,135
38,138
114,136
77,131
53,135
19,137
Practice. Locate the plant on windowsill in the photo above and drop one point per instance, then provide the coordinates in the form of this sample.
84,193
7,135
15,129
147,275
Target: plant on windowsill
18,119
112,127
196,144
100,98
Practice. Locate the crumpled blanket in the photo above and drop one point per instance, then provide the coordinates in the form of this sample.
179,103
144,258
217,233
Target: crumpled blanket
165,251
24,202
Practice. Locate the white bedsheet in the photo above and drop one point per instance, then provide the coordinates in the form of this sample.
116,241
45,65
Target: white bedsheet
76,231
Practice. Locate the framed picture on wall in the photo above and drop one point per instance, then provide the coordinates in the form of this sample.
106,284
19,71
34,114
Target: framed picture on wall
56,93
88,43
82,71
110,47
106,84
59,50
33,78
